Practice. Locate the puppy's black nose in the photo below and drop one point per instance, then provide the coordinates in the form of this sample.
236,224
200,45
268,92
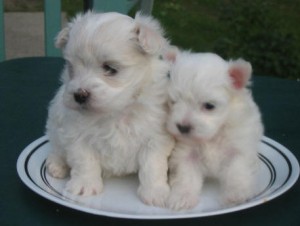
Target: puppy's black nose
81,96
184,129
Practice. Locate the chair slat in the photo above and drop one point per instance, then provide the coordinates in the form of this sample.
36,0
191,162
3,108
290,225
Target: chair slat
2,33
52,10
121,6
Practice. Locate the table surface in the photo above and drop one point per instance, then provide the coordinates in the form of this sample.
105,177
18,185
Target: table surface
28,84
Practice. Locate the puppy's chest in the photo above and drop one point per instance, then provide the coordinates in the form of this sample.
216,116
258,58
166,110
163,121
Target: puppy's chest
212,158
119,141
119,145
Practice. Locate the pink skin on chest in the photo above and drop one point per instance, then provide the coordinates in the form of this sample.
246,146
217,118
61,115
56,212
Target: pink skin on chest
193,156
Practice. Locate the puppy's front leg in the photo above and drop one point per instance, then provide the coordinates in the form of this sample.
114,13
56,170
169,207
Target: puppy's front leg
85,171
186,178
238,180
153,170
56,162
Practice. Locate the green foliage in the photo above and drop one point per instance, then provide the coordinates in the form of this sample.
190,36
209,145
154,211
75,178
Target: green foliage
266,33
22,5
250,32
72,7
189,24
262,32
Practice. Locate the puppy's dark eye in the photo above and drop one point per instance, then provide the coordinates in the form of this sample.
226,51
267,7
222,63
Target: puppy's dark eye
208,106
109,70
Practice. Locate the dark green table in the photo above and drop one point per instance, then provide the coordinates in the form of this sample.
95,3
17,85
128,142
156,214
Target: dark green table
26,87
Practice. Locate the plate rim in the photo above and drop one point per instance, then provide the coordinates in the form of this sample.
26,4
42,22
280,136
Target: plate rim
23,156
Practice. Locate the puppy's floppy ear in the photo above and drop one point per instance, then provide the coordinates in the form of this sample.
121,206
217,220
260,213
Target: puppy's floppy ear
170,53
240,73
149,34
62,38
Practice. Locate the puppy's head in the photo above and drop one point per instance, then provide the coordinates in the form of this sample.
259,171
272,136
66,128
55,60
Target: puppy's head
108,58
201,92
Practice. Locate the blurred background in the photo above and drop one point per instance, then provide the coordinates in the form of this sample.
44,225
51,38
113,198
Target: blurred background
266,33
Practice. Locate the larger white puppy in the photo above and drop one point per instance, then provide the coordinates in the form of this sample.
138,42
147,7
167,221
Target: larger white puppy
107,118
217,126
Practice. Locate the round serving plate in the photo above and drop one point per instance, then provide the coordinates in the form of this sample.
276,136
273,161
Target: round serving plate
278,172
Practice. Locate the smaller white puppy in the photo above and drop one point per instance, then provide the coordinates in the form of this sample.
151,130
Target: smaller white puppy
217,126
108,116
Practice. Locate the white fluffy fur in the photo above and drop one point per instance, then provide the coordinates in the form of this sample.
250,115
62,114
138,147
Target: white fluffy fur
223,140
120,129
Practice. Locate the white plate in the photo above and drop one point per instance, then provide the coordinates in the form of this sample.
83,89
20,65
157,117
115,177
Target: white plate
278,173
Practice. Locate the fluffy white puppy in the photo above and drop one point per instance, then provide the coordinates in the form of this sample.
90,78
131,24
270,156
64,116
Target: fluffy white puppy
107,118
217,126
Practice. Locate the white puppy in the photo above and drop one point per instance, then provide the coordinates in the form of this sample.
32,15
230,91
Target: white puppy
217,127
107,118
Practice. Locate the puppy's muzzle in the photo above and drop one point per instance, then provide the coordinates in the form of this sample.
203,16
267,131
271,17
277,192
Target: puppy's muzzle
81,96
184,129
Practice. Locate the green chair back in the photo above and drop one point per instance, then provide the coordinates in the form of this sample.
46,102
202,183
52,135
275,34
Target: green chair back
52,20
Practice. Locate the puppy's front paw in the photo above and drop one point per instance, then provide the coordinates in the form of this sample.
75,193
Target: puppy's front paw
154,196
84,186
237,191
234,197
57,168
181,200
